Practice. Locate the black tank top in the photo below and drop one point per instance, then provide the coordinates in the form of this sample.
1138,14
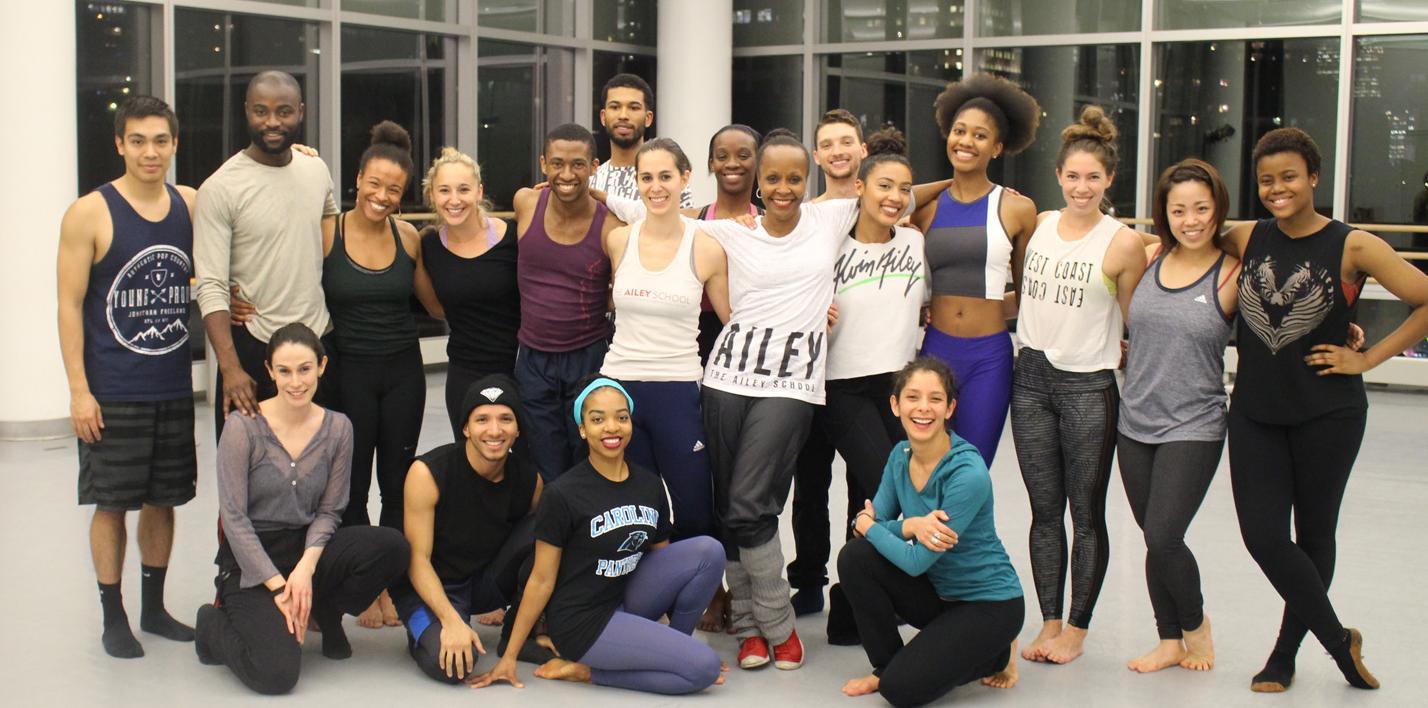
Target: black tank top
481,299
473,516
1291,298
371,309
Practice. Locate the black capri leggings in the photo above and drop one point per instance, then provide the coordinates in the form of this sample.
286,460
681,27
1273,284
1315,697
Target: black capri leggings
384,397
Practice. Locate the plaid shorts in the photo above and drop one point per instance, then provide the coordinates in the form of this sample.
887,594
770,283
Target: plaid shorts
146,455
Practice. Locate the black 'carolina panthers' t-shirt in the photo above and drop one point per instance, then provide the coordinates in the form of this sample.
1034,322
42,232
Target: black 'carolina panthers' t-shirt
602,529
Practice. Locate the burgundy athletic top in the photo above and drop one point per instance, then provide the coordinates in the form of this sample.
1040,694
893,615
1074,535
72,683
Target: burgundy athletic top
564,289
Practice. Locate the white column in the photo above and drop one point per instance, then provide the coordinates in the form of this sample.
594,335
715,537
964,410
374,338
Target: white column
692,89
37,40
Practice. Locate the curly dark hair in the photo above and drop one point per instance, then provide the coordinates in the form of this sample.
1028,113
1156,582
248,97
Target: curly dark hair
1289,140
885,145
1015,112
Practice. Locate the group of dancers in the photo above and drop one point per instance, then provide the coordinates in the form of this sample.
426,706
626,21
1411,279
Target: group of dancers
616,482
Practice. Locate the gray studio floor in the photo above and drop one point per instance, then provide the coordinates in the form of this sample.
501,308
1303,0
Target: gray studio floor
50,654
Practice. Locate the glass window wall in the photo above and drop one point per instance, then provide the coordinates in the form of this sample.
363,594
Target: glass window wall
767,22
523,89
876,20
115,59
556,17
1205,14
768,92
1004,18
626,21
1390,131
436,10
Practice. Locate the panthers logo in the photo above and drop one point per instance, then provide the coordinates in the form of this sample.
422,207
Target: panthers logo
634,542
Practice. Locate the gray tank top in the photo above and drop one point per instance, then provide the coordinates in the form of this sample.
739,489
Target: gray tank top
1174,386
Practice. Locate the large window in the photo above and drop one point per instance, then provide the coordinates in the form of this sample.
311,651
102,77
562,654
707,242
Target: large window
767,22
627,21
556,17
115,59
1392,10
768,93
438,10
1390,123
1064,80
872,20
1215,99
523,88
1001,18
1200,14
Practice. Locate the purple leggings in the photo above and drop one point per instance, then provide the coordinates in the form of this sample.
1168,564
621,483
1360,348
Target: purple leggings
634,650
983,368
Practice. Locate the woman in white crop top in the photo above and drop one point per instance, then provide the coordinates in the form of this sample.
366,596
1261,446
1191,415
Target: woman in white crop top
1080,270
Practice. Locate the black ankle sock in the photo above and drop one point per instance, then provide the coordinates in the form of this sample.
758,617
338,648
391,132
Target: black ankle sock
153,617
1348,655
118,639
807,601
1279,669
334,638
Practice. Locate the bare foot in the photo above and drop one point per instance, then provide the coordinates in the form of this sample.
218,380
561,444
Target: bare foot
371,618
1066,646
861,686
1036,650
494,618
723,671
1199,648
1007,677
1166,654
389,610
545,641
563,670
716,617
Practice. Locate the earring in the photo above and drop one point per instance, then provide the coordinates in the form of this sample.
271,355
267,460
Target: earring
759,192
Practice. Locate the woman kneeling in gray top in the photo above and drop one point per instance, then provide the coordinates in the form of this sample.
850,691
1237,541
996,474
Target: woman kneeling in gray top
282,485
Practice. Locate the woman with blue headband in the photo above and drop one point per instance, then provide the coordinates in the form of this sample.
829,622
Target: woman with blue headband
605,571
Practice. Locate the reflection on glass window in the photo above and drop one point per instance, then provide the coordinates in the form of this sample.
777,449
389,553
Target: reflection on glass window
767,22
555,17
1003,18
627,21
768,93
1392,10
1389,149
1064,80
897,88
436,10
876,20
524,91
402,77
1200,14
1215,99
215,54
606,65
115,60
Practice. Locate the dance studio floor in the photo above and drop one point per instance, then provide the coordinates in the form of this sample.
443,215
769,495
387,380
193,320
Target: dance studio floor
50,653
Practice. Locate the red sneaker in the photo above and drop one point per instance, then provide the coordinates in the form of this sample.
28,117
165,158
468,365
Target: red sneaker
789,655
754,653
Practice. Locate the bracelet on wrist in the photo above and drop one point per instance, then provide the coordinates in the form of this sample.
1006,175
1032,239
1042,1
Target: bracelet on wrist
278,590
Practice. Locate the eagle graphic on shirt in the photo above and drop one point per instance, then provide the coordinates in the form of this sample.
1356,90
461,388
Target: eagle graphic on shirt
1278,313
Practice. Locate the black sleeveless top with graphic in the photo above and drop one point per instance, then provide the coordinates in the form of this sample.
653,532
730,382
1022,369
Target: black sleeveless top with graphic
1291,298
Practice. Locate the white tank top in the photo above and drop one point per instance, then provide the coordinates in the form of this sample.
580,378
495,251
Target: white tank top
1068,306
656,315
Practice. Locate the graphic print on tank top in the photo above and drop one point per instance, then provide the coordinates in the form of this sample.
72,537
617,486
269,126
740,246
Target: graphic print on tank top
1281,311
148,301
866,267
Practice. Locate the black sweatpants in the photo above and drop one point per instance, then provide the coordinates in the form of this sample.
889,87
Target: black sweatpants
959,641
251,354
752,443
1299,471
385,398
1165,484
1064,427
858,423
249,634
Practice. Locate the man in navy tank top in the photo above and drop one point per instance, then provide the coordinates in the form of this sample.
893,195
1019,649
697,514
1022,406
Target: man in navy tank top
125,260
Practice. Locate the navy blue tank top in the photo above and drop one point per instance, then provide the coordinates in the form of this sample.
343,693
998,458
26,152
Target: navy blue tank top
136,307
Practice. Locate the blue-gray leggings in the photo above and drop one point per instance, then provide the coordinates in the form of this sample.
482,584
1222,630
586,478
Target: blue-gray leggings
634,650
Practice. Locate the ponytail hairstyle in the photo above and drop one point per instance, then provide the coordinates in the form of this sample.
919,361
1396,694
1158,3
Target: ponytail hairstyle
451,156
1014,111
295,333
885,145
1188,170
389,142
681,161
1094,133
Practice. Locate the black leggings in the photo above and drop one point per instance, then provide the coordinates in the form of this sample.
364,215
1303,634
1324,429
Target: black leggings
1279,471
249,634
1165,485
959,641
859,424
1064,427
384,397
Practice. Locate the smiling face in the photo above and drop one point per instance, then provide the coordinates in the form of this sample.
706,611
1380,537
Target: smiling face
783,177
274,111
1083,181
1285,186
972,141
380,186
732,161
923,407
838,150
886,192
605,423
659,180
625,116
147,148
295,369
490,431
1190,211
567,165
455,193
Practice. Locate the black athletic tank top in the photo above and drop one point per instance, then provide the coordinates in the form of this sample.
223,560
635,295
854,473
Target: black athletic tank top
481,299
474,517
1291,298
371,309
136,305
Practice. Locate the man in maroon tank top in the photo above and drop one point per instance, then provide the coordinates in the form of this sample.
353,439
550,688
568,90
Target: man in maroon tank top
564,278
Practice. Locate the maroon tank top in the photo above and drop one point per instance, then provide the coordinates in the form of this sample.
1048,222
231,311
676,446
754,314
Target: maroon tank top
564,289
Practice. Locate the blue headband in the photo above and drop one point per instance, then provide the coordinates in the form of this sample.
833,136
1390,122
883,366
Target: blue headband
601,382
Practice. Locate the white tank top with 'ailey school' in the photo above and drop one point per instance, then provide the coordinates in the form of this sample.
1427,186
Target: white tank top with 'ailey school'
656,315
1068,306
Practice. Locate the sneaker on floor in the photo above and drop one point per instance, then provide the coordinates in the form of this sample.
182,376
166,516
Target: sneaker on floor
753,653
789,655
807,601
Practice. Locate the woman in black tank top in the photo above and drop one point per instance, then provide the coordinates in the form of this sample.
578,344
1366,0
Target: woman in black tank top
1298,411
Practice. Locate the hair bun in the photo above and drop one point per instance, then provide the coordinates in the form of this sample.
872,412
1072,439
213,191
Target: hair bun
1093,125
389,133
780,133
888,140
